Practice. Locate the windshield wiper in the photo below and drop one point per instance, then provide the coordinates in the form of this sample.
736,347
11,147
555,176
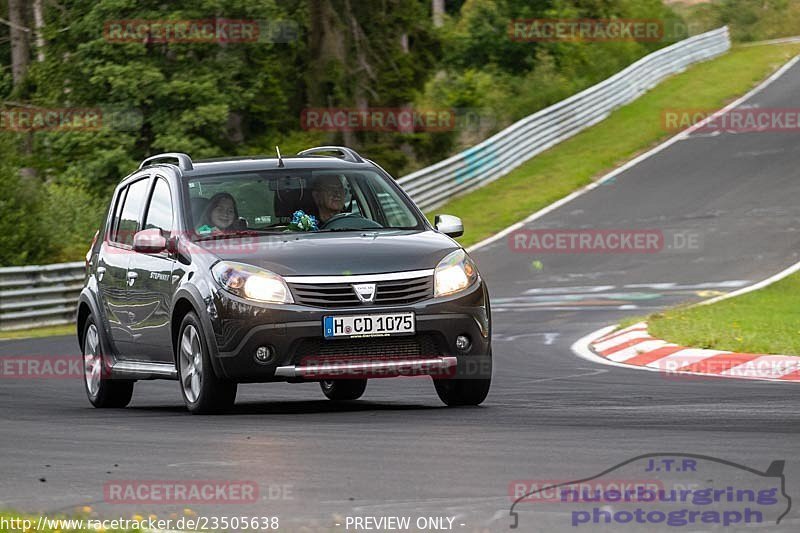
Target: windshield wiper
364,230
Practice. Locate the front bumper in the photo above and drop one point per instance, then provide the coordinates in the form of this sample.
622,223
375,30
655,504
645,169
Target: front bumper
346,368
295,338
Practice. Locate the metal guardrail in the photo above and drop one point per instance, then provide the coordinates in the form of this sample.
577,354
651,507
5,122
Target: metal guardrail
32,296
503,152
39,295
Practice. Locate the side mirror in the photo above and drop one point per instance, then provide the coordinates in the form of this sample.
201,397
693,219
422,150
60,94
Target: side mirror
149,241
449,225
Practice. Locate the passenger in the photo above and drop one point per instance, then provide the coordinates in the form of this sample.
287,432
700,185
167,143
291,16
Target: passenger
221,215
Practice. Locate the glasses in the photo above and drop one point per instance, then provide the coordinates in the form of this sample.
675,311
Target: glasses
332,190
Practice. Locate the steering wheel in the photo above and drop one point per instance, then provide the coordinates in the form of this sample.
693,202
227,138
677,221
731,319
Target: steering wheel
349,221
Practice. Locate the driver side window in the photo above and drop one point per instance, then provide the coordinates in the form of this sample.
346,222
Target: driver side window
159,212
129,222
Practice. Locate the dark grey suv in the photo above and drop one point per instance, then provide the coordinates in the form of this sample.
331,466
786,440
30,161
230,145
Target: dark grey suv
316,268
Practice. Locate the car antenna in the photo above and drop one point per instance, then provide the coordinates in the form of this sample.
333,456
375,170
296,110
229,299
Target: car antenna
280,159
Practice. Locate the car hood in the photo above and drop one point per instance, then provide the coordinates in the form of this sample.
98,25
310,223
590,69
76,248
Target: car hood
335,254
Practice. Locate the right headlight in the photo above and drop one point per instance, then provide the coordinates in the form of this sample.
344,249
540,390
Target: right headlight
252,282
455,273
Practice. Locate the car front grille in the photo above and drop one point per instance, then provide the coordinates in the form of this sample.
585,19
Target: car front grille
389,292
420,345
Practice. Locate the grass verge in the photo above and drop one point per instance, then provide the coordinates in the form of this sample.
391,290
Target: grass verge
765,321
627,132
49,331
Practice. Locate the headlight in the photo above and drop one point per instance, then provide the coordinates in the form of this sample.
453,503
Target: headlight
454,273
252,283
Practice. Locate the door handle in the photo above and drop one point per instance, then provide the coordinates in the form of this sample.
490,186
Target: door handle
132,278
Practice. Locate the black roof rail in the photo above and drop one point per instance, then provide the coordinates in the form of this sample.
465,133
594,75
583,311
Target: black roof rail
348,154
232,158
184,161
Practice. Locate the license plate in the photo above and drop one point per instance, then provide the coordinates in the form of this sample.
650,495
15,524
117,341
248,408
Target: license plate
348,326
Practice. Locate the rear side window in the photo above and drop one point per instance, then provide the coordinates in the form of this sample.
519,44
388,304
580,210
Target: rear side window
159,213
129,222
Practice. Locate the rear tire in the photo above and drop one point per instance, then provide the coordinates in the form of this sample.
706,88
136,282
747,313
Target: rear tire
343,389
203,392
102,392
470,391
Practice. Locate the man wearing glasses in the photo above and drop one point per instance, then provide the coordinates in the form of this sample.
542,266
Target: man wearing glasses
328,193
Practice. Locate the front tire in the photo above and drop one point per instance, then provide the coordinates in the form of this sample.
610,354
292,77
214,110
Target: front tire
203,392
102,392
456,392
343,389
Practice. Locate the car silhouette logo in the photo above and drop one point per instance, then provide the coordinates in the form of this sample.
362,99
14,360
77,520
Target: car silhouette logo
365,292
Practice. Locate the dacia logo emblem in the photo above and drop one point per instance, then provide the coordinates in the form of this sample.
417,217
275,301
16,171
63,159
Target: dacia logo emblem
365,292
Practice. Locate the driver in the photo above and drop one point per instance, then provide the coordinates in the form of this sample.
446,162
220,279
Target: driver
328,193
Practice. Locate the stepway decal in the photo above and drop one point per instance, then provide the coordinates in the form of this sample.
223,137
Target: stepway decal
657,491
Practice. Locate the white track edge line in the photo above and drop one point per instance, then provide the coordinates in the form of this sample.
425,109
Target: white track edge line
635,161
581,346
782,40
754,287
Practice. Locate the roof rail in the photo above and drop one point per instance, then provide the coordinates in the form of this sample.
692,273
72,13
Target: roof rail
348,154
184,161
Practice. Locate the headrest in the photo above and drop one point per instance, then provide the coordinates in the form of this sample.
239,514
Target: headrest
198,205
287,201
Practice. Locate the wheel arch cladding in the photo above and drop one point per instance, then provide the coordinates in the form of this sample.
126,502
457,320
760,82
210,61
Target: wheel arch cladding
183,306
83,315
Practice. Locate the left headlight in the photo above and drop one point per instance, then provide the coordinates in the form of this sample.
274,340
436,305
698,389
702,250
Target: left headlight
252,282
454,273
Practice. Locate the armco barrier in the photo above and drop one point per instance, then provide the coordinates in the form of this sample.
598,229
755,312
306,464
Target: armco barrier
43,295
39,295
503,152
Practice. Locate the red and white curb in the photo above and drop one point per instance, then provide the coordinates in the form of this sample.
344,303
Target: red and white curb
635,347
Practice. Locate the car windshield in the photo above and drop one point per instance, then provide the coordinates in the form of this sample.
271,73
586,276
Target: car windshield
296,200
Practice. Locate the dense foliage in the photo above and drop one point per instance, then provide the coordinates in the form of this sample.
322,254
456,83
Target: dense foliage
750,20
215,99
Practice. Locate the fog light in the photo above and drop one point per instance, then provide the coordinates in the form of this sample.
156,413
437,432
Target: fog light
264,354
463,343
